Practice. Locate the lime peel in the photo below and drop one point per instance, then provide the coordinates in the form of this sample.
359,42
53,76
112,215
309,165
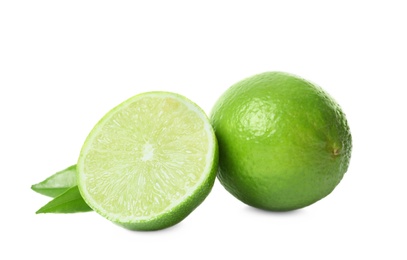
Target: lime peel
284,143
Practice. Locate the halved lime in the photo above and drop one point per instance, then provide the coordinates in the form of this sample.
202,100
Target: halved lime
149,162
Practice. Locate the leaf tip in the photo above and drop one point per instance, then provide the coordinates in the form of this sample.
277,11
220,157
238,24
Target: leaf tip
40,211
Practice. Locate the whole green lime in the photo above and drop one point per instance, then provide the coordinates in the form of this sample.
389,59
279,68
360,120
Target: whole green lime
284,143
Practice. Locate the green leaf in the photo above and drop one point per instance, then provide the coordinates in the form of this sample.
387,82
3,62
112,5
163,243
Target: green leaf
70,201
58,183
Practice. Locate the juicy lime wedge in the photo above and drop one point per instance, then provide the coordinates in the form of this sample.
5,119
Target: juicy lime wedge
149,162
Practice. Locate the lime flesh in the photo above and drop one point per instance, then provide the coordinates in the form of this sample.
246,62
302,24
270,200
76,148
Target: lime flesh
284,143
149,162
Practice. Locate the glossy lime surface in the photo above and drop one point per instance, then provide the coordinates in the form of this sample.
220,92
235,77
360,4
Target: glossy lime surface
284,143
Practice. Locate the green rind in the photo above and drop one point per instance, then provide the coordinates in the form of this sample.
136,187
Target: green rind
267,166
177,213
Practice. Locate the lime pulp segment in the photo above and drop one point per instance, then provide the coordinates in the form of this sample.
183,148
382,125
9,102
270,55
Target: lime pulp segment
146,157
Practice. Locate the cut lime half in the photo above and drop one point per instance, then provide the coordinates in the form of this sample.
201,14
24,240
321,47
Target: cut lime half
149,162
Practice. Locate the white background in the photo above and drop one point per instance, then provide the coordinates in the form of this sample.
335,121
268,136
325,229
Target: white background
64,64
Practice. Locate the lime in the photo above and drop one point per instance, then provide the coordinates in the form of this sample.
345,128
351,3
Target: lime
284,143
149,162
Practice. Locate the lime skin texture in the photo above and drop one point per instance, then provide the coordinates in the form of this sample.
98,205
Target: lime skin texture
284,143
